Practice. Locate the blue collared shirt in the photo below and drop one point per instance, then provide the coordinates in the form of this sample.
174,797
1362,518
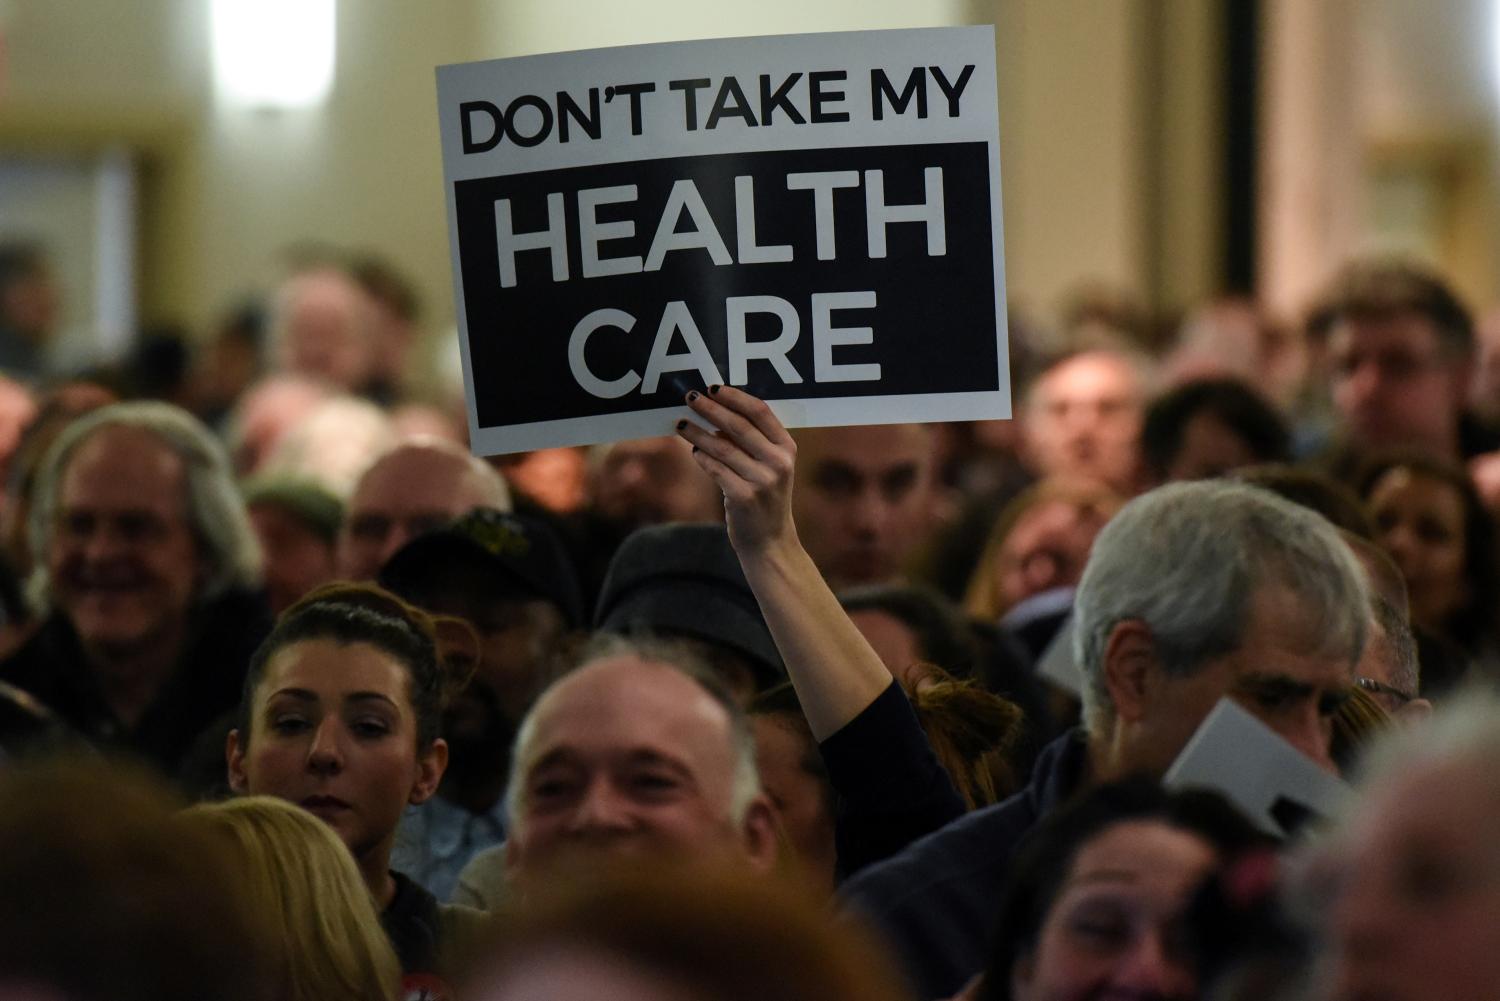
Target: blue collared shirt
436,840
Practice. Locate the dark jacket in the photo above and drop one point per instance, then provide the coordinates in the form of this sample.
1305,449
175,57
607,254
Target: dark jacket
937,901
890,786
426,935
206,682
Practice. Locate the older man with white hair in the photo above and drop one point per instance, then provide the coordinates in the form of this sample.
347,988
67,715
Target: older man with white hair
1193,592
145,570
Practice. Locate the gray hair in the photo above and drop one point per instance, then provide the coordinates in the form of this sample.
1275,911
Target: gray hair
215,512
1406,672
1187,559
668,653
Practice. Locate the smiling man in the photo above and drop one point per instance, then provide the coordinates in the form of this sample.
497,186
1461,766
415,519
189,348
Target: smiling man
144,561
634,755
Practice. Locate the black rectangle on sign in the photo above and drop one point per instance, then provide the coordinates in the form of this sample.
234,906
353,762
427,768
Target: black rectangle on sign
932,324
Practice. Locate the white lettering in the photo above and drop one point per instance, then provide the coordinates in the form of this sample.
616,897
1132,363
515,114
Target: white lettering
609,389
592,232
744,227
826,337
553,238
704,235
878,214
821,183
676,317
742,351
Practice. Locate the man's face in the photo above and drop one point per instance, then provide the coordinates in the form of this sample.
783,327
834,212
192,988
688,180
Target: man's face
1393,385
1084,420
1209,448
624,758
863,500
414,489
650,481
329,325
1416,910
123,561
517,636
1278,674
1117,926
297,559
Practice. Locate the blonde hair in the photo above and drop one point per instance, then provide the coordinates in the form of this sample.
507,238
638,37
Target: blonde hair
299,875
714,932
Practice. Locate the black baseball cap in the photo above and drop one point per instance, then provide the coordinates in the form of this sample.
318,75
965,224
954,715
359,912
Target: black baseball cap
524,556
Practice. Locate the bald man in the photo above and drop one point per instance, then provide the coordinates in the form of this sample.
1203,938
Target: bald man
637,754
419,485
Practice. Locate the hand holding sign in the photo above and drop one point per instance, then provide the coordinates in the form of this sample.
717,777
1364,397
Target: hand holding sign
751,458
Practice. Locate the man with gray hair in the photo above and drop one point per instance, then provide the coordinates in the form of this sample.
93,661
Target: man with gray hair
1193,592
638,753
145,565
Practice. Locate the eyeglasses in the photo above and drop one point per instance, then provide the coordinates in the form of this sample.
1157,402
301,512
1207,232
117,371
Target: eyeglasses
1381,688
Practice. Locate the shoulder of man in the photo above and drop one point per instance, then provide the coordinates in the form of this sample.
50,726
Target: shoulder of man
460,929
483,883
935,902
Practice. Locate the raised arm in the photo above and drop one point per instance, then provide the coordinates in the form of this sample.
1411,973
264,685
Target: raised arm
751,457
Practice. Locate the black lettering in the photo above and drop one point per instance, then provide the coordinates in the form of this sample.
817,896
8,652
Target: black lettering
730,90
954,90
541,134
821,97
880,84
690,90
466,112
771,100
634,92
568,108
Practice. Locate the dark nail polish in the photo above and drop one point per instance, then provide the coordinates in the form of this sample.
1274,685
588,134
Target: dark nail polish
681,425
692,396
713,389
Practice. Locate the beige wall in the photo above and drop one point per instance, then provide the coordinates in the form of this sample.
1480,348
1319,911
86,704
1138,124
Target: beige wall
224,190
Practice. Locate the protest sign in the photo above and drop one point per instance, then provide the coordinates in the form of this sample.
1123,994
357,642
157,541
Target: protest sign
815,218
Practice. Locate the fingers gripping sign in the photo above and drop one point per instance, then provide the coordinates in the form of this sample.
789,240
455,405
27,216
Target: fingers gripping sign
750,455
751,458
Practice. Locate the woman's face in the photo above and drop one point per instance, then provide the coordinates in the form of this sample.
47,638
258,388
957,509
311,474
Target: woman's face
333,730
1420,522
1046,548
1116,927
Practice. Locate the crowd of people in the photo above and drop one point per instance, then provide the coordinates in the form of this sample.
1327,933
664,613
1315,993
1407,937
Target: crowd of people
301,699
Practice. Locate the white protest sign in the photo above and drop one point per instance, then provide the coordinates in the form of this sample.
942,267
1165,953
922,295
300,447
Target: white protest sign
815,218
1274,784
